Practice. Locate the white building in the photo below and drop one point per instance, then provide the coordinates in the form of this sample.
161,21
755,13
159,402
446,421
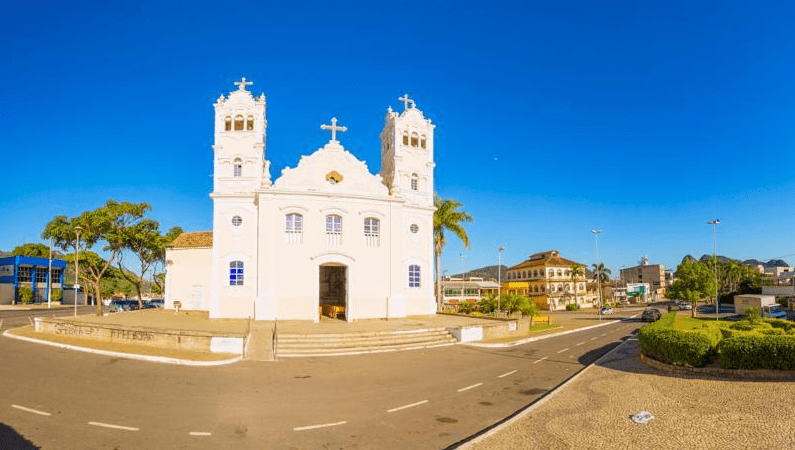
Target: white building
327,233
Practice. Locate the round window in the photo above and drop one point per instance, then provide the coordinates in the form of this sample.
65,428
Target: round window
414,228
236,221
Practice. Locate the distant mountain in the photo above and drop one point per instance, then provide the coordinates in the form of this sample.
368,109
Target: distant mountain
4,254
720,258
771,263
487,273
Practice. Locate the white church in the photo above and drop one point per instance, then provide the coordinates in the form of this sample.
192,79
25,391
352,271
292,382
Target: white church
326,238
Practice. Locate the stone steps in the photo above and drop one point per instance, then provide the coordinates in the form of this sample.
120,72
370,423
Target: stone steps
305,345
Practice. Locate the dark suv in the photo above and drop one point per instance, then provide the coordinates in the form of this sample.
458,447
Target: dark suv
650,315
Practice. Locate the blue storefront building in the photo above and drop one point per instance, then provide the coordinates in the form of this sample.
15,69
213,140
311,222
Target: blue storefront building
26,271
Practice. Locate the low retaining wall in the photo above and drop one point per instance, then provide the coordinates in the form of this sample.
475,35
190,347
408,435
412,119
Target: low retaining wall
173,339
501,328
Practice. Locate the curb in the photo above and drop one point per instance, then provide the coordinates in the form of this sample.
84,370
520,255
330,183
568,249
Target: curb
158,359
538,338
520,414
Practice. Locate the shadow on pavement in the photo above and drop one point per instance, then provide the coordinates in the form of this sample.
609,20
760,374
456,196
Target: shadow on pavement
11,440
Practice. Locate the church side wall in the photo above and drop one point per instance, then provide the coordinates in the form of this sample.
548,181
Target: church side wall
188,278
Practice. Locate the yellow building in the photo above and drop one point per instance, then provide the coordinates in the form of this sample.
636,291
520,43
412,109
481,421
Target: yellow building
546,278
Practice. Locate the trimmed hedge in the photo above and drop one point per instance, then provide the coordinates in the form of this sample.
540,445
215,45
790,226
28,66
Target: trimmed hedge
676,347
695,348
757,351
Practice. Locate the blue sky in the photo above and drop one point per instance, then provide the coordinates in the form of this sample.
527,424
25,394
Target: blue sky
642,119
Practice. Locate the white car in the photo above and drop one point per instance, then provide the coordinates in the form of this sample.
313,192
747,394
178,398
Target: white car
606,310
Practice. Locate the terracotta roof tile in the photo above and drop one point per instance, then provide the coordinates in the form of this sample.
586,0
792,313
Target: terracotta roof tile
196,239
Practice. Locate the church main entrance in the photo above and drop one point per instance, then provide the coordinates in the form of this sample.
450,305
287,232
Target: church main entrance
333,291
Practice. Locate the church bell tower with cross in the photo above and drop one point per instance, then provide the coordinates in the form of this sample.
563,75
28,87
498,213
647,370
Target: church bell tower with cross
407,154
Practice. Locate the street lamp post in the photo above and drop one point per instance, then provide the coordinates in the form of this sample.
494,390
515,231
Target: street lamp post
499,275
462,277
596,232
715,224
49,278
77,265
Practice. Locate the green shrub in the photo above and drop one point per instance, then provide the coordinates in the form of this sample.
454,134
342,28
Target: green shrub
25,294
753,314
675,346
711,332
56,295
786,325
572,307
487,304
758,352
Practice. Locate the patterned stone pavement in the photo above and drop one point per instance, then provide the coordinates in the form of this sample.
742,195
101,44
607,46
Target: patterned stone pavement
593,412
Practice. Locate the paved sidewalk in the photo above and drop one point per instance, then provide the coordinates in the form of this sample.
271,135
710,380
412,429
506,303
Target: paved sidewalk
593,412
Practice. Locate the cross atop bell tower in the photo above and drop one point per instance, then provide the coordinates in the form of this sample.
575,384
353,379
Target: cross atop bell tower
241,85
334,128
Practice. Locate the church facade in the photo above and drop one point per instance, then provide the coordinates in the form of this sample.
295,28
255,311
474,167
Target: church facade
326,237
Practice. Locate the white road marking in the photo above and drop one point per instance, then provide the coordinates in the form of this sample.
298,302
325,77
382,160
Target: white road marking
593,338
539,360
580,343
470,387
115,427
407,406
604,334
561,351
508,373
31,410
314,427
200,433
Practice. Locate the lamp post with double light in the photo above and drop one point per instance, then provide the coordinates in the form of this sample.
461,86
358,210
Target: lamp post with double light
596,232
77,265
715,224
499,275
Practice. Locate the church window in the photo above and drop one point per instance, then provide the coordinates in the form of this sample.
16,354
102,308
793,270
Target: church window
414,276
238,123
228,124
236,273
423,141
415,140
414,228
236,221
238,167
250,123
405,138
294,227
333,230
415,181
371,232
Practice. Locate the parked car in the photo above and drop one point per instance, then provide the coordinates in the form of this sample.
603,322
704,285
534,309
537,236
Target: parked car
156,303
123,305
606,310
685,306
650,315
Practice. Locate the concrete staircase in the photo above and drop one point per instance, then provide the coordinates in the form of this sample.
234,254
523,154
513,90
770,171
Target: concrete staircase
302,345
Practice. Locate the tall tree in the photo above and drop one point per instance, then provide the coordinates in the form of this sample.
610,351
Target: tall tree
448,216
30,249
694,281
142,240
601,274
106,224
575,272
158,267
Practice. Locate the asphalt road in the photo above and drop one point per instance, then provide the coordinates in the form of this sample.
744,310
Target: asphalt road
435,398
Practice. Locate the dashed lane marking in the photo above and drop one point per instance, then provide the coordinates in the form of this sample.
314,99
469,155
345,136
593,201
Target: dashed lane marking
407,406
200,433
507,373
324,425
604,334
470,387
579,344
593,338
31,410
561,351
115,427
539,360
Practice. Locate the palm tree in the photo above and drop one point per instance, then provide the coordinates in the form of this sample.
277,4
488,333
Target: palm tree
447,217
600,274
576,271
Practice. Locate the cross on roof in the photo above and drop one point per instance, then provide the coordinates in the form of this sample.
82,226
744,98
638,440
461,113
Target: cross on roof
406,100
242,84
334,128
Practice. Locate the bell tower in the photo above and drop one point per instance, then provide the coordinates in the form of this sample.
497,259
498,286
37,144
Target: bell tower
240,129
407,154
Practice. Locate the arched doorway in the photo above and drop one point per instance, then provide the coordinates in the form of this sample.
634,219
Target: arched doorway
333,291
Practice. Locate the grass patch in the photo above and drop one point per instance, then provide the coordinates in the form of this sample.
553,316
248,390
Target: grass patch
543,327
